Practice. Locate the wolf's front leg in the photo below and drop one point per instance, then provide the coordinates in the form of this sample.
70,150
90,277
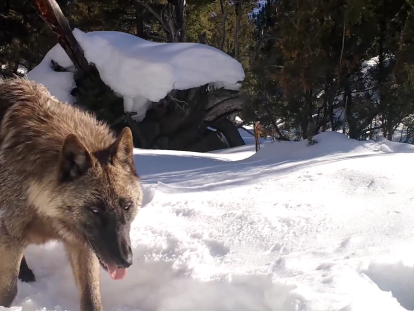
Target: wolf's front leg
85,268
10,257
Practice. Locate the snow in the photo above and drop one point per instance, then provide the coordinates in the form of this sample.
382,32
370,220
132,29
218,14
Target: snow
292,227
138,70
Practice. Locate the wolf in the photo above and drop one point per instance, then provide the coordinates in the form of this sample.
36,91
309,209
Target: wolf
64,176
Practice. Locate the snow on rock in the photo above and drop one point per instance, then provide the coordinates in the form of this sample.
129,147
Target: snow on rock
141,70
328,227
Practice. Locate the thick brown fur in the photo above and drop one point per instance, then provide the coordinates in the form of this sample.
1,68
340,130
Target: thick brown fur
59,167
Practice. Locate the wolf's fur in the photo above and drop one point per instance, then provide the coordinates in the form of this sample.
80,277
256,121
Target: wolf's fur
63,176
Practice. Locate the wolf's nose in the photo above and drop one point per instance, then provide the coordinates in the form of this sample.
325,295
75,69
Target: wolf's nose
125,261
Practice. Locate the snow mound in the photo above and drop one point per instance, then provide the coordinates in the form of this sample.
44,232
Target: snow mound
140,70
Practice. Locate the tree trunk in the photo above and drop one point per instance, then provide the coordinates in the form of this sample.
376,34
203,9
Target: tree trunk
139,21
179,6
239,10
307,118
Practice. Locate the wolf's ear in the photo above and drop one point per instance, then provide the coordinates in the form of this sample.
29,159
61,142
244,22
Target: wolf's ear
122,149
75,159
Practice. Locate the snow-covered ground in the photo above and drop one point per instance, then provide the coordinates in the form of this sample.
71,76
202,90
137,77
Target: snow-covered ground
293,227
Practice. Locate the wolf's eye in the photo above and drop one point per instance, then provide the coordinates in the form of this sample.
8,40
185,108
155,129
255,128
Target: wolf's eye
94,210
128,205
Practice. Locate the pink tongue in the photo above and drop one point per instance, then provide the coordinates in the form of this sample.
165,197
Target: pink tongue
116,273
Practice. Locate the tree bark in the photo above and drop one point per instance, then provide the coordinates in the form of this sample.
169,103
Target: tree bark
229,130
51,13
223,25
239,11
211,141
225,108
179,6
139,21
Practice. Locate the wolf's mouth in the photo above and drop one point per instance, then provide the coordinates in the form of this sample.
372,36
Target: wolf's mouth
116,272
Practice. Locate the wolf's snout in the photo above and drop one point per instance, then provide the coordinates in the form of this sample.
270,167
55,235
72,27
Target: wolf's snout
125,258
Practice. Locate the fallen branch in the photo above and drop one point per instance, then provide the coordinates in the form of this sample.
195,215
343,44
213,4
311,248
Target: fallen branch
51,13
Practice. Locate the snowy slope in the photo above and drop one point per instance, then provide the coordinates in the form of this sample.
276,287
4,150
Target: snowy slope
140,70
324,228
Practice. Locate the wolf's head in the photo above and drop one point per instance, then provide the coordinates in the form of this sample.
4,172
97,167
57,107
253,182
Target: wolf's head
99,197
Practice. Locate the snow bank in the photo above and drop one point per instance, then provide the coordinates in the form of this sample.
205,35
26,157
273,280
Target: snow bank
141,70
327,227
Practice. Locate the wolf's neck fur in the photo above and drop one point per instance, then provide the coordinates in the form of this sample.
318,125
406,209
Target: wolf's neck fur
33,132
34,126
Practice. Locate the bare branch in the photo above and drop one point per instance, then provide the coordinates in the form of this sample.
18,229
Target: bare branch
156,15
52,15
157,37
223,25
170,22
272,38
203,38
180,103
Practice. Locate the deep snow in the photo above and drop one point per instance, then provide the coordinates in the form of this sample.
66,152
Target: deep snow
138,70
293,227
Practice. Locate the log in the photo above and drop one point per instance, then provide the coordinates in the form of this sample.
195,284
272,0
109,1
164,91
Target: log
136,130
219,96
180,120
177,119
225,108
91,92
229,130
52,14
187,137
161,143
210,142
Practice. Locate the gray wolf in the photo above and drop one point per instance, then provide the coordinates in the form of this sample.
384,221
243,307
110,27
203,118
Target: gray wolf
64,176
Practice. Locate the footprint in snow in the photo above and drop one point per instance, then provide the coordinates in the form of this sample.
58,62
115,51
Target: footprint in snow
325,266
217,248
276,248
306,177
184,212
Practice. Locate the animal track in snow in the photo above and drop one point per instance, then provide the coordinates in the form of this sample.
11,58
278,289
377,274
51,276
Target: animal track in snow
325,266
184,212
217,248
306,177
276,248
